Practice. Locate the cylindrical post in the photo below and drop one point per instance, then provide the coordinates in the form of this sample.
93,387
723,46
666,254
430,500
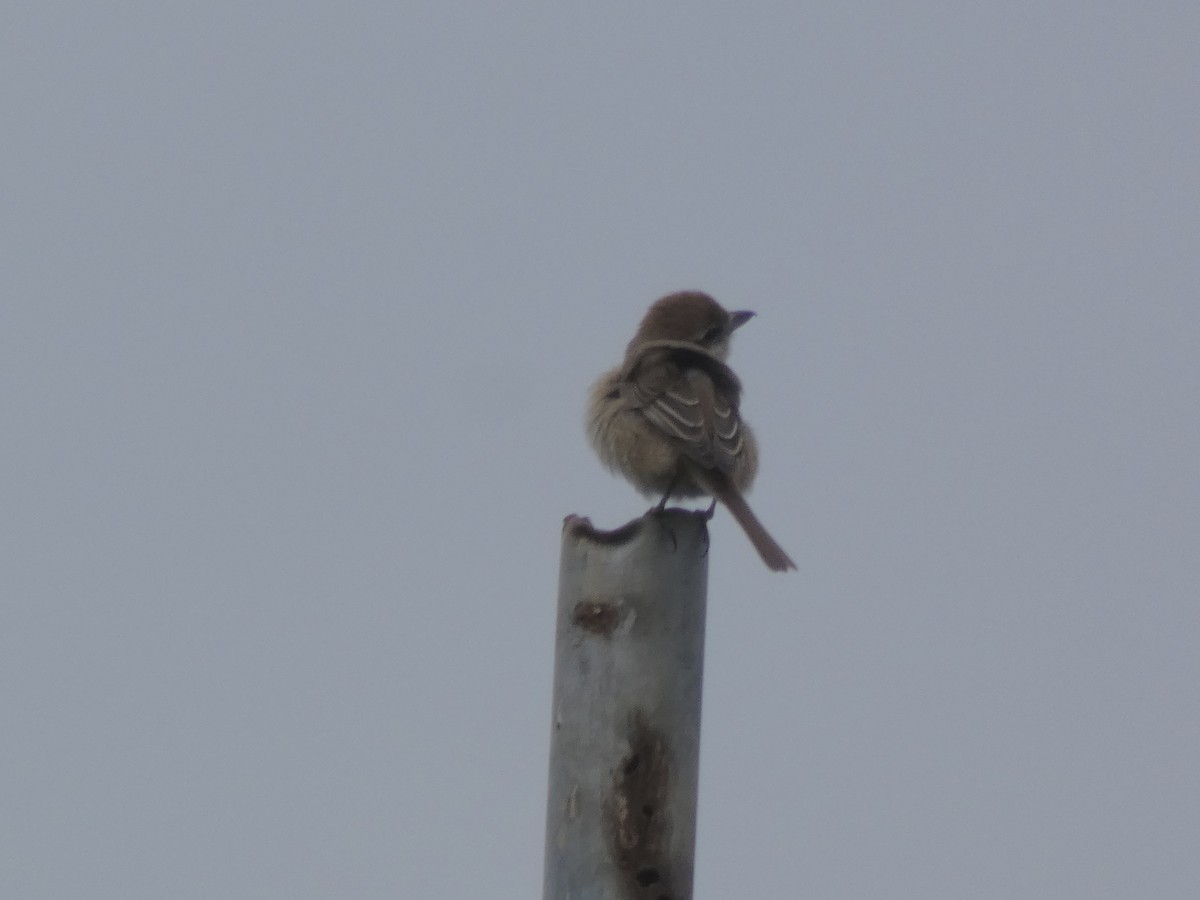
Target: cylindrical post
625,738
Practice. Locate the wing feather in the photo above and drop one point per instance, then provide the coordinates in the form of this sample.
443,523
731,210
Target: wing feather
689,395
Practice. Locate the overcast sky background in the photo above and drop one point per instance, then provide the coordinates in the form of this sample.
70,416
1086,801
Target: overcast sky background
299,303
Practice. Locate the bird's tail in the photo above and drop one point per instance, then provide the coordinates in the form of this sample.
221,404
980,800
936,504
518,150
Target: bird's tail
773,555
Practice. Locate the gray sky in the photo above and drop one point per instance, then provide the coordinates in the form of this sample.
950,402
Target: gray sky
279,551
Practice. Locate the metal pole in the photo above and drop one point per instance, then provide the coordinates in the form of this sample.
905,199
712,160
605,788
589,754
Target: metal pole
625,741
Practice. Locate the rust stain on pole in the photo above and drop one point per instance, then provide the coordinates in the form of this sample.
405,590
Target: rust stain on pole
600,617
638,818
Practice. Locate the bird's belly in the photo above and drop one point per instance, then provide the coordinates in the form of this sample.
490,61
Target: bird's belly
635,449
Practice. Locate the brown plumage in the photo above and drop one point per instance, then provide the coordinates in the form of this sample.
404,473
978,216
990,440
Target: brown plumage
667,418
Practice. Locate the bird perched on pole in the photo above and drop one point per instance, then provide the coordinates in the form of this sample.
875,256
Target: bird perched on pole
667,418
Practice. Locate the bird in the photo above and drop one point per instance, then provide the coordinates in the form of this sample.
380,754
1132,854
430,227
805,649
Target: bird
668,418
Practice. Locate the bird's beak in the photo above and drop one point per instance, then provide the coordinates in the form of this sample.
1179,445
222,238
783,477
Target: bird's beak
739,318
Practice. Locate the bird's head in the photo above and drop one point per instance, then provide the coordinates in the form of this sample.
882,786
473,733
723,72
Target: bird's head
692,317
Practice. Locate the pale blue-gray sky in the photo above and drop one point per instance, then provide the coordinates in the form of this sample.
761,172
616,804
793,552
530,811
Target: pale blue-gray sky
279,554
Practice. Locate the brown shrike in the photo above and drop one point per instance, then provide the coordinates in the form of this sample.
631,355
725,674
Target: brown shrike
667,418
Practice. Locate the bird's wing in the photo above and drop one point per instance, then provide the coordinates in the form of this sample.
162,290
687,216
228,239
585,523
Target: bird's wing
692,397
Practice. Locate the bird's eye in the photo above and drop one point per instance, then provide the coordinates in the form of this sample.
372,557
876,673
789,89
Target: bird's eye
710,336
